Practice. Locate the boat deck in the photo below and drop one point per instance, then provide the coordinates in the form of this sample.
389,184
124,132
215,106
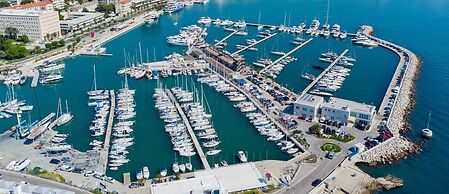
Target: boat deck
323,73
190,130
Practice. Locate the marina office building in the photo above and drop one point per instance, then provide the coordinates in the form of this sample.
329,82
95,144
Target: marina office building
307,106
228,179
336,109
37,25
346,111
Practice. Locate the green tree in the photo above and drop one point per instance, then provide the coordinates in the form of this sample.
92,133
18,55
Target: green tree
106,8
61,17
85,10
12,32
61,42
23,38
48,45
80,2
4,4
26,2
37,50
16,52
54,44
78,39
315,128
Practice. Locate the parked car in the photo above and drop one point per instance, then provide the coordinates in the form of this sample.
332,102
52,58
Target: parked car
316,182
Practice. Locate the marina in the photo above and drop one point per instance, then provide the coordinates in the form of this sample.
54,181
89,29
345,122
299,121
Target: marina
242,98
190,131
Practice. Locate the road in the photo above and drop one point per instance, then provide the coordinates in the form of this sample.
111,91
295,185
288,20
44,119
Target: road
18,177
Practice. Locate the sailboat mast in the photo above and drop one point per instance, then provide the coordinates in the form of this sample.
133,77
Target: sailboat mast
327,13
147,57
140,51
428,120
154,53
66,106
95,80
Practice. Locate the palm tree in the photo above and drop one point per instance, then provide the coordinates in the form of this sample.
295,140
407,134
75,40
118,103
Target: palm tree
11,31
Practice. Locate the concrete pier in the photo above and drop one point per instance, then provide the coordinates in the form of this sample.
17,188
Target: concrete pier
254,44
286,55
190,130
107,139
226,38
35,78
323,73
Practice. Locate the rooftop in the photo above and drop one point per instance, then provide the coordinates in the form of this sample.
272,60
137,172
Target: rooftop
236,177
310,100
30,5
18,12
80,17
343,104
6,186
187,186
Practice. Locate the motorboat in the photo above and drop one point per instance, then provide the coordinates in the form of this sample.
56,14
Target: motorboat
213,152
242,156
175,167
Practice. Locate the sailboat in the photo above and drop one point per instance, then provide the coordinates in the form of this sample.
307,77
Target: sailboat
95,91
64,117
426,132
306,75
326,25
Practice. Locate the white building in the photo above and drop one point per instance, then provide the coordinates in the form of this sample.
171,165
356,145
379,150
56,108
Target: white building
346,111
123,7
45,5
58,4
37,25
107,1
223,180
22,188
77,21
307,106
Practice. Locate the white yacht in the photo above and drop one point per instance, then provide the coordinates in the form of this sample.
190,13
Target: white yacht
242,156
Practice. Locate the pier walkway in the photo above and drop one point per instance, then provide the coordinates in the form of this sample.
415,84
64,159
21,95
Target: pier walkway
35,78
286,55
226,38
190,130
323,73
254,44
107,139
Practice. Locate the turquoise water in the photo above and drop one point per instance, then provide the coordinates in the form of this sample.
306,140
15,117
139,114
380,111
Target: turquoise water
417,25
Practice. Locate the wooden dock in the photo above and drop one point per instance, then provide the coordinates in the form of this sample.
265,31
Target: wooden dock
254,44
226,38
286,55
35,78
323,73
190,130
107,139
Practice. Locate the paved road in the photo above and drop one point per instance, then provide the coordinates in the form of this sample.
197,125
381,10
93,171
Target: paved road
18,177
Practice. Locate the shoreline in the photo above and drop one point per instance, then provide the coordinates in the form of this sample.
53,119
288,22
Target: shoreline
393,149
27,66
